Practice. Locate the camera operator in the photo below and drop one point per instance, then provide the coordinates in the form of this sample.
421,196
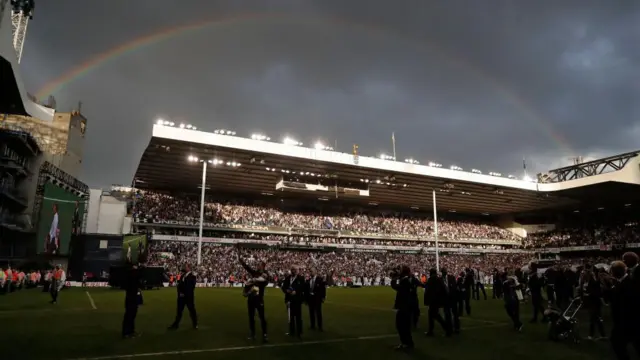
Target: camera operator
404,304
624,302
590,291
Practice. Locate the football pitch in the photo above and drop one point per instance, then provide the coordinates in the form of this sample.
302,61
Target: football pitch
359,324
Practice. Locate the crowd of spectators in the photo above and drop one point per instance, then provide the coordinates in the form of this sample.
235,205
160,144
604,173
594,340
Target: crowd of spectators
220,262
583,236
161,207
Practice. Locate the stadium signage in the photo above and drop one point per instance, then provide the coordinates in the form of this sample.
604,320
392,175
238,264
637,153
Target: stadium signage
602,247
318,232
328,246
315,232
365,250
87,284
214,240
208,225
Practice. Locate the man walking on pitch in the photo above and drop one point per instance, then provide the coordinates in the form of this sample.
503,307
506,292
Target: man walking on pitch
186,297
132,300
254,292
57,282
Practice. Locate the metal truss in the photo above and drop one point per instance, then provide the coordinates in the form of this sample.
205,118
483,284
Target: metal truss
21,13
591,168
19,24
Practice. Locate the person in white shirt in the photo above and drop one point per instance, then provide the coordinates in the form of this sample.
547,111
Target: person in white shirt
478,286
52,239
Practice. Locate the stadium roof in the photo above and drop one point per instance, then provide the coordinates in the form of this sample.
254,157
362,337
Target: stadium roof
165,166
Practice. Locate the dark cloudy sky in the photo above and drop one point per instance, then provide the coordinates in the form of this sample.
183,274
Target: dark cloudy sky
473,83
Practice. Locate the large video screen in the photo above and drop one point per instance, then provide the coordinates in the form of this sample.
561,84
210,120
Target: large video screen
134,248
61,218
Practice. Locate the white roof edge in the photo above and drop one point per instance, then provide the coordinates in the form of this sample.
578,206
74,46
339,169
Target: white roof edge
626,175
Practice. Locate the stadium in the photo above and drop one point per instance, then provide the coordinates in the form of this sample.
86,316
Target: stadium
206,198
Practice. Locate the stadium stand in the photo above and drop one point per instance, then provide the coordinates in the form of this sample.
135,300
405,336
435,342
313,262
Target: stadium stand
353,216
156,207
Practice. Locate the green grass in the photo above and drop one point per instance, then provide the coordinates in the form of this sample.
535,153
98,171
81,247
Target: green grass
33,329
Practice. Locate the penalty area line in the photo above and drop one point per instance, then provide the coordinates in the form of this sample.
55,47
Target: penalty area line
264,346
93,304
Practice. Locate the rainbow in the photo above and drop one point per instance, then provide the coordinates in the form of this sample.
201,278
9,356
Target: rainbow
531,115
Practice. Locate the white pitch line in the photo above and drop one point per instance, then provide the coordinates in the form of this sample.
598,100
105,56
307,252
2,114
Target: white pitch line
134,239
93,304
250,347
36,311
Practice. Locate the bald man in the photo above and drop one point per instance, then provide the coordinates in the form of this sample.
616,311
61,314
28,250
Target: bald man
294,288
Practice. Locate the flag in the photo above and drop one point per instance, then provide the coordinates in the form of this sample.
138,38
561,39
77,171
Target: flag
328,223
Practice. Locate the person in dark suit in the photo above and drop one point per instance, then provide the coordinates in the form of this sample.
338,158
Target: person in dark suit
451,317
254,292
624,300
435,296
76,221
401,283
294,288
465,285
631,260
497,284
316,293
132,300
590,291
415,316
535,286
186,297
550,276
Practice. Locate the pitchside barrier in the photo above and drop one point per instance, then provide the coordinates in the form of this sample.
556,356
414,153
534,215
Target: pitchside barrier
208,285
